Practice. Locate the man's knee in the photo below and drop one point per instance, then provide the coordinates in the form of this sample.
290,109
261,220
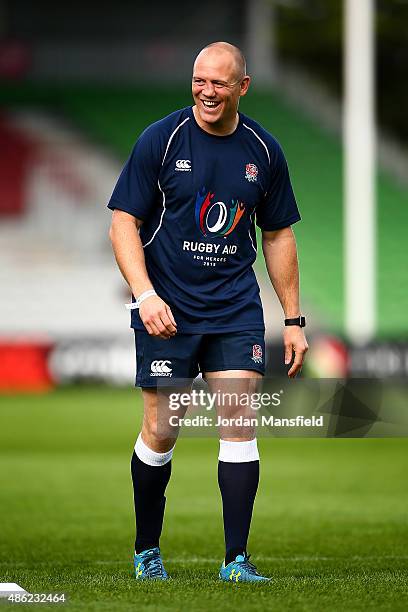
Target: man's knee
156,430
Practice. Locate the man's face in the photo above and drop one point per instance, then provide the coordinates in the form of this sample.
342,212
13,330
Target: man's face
217,87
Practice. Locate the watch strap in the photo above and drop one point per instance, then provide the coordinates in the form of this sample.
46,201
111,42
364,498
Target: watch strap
300,321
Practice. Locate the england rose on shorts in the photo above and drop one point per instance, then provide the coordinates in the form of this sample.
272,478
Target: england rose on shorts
199,197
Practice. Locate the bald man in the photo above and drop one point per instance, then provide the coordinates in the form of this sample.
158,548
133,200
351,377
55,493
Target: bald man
183,234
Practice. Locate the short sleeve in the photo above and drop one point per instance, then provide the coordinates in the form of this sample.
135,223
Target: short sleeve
137,190
279,208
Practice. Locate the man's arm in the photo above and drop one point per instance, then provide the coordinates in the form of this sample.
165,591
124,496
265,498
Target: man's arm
156,315
279,249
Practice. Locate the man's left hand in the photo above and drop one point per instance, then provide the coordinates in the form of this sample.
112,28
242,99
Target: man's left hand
295,342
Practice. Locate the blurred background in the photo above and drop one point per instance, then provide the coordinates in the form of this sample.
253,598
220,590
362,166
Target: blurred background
80,81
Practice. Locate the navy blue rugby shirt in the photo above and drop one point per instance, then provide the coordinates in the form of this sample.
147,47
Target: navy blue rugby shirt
197,195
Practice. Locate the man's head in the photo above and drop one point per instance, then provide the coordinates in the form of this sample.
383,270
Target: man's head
219,80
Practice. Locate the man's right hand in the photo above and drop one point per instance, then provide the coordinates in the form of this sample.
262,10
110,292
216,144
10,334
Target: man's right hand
157,317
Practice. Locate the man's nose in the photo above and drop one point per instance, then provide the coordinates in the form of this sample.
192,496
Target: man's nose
209,89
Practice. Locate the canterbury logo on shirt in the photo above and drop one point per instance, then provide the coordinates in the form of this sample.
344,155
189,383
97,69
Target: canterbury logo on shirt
183,165
161,368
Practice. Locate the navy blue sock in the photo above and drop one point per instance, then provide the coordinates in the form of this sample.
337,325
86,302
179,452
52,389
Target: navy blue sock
238,484
149,485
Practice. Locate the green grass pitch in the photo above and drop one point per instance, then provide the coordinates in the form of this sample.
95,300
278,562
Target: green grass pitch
330,522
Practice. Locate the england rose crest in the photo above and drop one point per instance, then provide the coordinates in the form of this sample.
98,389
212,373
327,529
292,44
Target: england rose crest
251,173
257,353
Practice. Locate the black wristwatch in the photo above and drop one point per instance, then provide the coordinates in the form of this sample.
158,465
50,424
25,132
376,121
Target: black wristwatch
300,321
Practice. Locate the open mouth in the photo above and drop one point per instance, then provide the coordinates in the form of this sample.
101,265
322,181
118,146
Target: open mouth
210,104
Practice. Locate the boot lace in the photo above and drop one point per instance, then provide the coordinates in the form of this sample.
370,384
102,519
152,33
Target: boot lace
248,566
154,566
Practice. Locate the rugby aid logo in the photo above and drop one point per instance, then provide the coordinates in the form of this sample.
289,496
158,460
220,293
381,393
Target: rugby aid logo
216,218
161,367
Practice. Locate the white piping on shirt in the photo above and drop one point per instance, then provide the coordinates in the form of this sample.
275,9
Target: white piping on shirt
172,136
161,217
158,183
249,231
260,140
269,160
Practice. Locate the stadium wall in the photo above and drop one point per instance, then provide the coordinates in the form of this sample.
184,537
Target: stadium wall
41,365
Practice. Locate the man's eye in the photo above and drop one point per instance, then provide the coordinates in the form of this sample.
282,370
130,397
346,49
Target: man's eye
198,81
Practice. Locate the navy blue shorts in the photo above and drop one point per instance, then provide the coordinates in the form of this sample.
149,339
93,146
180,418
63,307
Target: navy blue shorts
185,355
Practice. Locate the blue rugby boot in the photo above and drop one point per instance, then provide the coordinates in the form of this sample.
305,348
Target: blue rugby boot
241,570
149,565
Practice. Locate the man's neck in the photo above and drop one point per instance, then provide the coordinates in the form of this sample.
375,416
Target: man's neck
216,130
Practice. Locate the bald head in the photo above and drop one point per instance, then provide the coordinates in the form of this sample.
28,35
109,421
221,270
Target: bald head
218,83
225,48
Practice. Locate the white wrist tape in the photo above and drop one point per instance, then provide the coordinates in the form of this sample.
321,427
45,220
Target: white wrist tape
140,299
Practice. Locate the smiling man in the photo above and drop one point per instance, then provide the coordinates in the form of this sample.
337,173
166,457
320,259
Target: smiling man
183,234
219,80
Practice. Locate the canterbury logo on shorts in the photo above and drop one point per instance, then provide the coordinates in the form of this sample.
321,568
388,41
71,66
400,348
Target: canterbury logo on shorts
161,368
183,165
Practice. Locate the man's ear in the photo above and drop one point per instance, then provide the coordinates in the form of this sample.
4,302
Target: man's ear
245,85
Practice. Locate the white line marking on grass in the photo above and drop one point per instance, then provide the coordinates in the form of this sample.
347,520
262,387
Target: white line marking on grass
203,560
264,558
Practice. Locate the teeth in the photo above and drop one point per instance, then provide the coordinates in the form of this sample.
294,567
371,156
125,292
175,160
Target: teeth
208,103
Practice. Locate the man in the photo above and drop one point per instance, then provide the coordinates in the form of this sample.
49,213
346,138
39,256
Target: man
184,239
